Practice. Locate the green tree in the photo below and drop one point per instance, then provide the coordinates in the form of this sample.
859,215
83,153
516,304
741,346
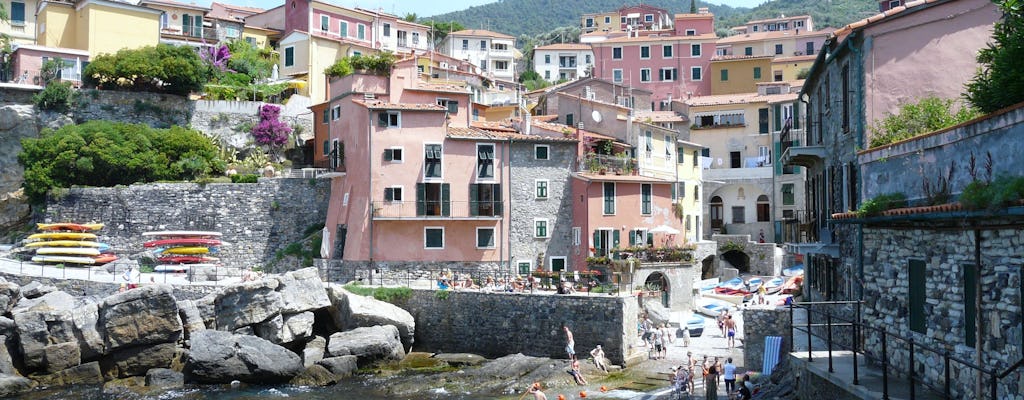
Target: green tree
377,63
164,68
999,81
410,17
693,6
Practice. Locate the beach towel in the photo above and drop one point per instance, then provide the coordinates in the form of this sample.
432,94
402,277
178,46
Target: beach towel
772,347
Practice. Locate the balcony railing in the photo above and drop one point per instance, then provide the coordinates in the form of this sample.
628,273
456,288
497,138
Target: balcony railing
597,163
197,32
436,209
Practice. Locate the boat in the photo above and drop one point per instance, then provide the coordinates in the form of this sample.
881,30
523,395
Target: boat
69,226
75,251
65,243
105,258
186,250
179,267
774,285
734,283
185,259
63,259
62,235
736,299
794,270
183,242
183,234
754,282
713,307
793,285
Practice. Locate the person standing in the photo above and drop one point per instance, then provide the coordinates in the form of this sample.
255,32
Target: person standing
730,331
656,341
537,393
711,383
761,292
686,336
570,344
729,373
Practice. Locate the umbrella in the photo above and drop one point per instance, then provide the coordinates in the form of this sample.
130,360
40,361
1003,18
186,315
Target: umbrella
665,229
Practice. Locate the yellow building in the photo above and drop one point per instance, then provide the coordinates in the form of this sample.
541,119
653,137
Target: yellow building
738,74
97,26
791,68
258,37
689,183
601,22
296,61
21,24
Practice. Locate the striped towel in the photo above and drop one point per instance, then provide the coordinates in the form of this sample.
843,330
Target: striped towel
772,347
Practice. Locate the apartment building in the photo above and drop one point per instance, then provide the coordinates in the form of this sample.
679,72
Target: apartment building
494,53
563,61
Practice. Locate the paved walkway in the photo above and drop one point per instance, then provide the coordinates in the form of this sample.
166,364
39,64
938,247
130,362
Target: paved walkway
97,273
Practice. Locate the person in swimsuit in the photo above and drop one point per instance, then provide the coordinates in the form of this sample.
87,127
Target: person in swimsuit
730,331
537,393
570,344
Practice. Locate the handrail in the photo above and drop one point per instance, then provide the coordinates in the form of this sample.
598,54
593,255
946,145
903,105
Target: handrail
1011,369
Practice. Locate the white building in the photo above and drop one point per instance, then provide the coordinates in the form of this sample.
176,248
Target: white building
397,35
494,53
563,61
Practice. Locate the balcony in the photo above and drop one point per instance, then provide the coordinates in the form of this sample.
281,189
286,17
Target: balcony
190,32
571,65
435,209
619,165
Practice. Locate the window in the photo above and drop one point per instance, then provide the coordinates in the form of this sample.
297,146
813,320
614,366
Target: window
557,263
616,53
432,161
192,25
696,158
617,75
387,30
540,226
587,58
916,296
604,240
695,50
501,65
389,119
17,13
694,73
485,199
666,51
589,23
607,20
788,199
725,75
622,20
809,50
547,75
648,143
524,266
734,160
402,41
361,31
609,198
576,233
465,44
547,59
541,151
483,45
696,192
451,105
327,147
762,120
648,17
289,56
433,199
640,237
326,116
691,32
251,40
415,38
667,74
738,216
336,113
393,193
569,119
393,154
777,76
485,238
757,72
763,209
343,29
484,161
778,49
668,148
748,51
645,75
846,98
970,309
894,4
645,198
433,238
325,23
542,188
645,52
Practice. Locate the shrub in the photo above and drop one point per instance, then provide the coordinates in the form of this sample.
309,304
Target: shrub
999,81
163,68
379,63
1003,191
270,131
927,115
245,178
56,96
388,294
880,203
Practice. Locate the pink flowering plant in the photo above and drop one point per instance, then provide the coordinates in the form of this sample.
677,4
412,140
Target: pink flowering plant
271,131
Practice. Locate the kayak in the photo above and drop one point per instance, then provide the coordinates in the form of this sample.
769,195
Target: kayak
183,242
69,226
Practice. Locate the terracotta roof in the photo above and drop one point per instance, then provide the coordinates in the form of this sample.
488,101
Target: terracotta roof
738,58
448,87
794,59
660,116
760,36
723,99
908,7
587,176
706,36
545,118
950,207
564,46
231,11
578,97
781,98
757,21
172,3
380,105
502,134
480,33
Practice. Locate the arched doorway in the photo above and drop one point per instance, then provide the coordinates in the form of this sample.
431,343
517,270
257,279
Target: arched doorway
657,281
738,260
716,213
707,270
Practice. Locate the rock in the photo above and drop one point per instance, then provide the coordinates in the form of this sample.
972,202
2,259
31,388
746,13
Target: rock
315,375
85,374
164,378
135,361
61,356
460,359
191,320
245,330
48,338
302,290
220,357
352,311
212,273
369,344
6,362
341,366
140,316
656,312
35,289
314,351
10,293
124,387
287,329
247,304
48,302
12,384
207,310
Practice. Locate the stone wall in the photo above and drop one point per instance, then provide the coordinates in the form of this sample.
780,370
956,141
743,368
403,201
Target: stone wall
557,208
811,385
404,273
154,109
463,321
256,219
758,323
680,277
17,121
762,255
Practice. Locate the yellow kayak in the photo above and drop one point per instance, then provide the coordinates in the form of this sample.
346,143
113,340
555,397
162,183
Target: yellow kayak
69,226
62,235
186,250
75,251
64,243
63,259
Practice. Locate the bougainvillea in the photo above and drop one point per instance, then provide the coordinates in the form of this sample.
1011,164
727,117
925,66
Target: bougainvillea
216,57
271,131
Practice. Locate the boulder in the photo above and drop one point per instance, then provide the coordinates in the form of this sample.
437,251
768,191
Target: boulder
10,293
52,301
352,311
135,361
341,366
140,316
35,289
55,339
221,357
315,375
372,344
164,378
85,374
207,310
6,362
212,273
302,290
286,329
11,385
246,304
460,359
314,351
191,320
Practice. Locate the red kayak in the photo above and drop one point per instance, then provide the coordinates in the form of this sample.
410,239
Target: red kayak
186,259
105,258
183,242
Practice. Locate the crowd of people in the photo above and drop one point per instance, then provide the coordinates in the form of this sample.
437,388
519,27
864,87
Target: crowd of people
449,280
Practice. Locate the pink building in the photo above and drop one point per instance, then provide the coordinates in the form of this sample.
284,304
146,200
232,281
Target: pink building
671,64
27,63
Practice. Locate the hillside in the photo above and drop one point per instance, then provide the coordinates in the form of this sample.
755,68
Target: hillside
533,17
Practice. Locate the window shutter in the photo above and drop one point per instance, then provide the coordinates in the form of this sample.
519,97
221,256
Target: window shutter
615,238
389,155
682,189
389,194
778,117
674,193
796,115
696,160
496,195
421,199
382,119
474,196
446,201
453,107
597,242
705,152
632,237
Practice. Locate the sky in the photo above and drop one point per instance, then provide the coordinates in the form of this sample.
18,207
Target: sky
422,8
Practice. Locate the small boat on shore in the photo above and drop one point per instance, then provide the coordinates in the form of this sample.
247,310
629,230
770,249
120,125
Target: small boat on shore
55,259
62,236
69,226
188,250
794,270
191,241
66,243
105,258
185,259
774,285
713,307
75,251
737,298
183,234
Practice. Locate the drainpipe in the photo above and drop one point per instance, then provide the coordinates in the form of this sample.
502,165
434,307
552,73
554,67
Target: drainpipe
369,165
508,191
978,324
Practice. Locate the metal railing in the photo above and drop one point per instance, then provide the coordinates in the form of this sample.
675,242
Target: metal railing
906,373
437,209
217,275
608,163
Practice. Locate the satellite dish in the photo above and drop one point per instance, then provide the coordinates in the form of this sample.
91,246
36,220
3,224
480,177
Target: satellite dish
596,115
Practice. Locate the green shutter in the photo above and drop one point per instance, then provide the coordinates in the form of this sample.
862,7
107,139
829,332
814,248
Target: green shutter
446,199
632,237
916,298
421,199
474,203
389,194
757,72
597,243
762,120
615,238
778,117
382,119
496,196
796,115
389,155
674,194
970,308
